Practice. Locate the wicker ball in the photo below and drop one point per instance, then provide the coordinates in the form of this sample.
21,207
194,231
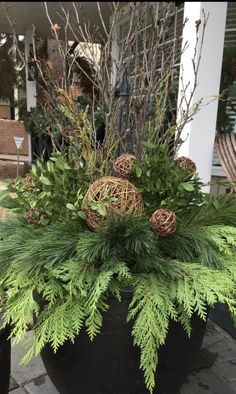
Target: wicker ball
30,217
123,165
163,221
186,163
27,179
29,183
125,199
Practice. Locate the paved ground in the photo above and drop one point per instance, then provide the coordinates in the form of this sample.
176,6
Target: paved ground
215,372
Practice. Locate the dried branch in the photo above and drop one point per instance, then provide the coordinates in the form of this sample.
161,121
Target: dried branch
150,49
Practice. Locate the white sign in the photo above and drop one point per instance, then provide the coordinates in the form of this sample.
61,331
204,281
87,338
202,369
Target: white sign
18,141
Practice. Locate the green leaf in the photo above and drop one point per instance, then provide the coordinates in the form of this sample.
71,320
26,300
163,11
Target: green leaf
70,206
81,215
50,166
79,195
33,203
42,195
101,210
149,145
66,166
45,180
138,172
85,204
39,164
34,169
187,186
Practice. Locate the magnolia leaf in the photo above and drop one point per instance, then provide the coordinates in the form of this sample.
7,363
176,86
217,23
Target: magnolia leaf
81,215
94,206
50,166
33,203
79,195
187,186
101,210
138,172
70,206
39,164
42,195
44,180
34,169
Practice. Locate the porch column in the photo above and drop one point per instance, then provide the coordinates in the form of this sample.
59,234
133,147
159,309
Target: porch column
199,134
30,87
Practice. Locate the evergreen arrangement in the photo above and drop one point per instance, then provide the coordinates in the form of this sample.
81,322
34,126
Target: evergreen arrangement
48,248
111,207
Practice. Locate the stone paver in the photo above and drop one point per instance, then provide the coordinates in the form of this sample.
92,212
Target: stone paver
227,370
41,385
224,350
206,382
13,384
19,391
24,373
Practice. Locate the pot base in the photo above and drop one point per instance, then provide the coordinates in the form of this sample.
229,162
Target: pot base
110,364
5,359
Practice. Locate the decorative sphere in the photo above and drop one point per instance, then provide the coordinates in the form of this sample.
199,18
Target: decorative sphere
30,217
186,163
123,165
115,195
163,221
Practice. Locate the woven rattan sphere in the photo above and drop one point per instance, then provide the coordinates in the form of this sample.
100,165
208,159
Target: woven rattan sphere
30,217
29,183
163,221
186,163
118,195
123,165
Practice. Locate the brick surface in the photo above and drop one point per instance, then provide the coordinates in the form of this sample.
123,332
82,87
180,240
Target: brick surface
8,169
9,129
5,111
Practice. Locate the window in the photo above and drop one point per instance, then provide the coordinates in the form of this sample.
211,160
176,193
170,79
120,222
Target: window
133,55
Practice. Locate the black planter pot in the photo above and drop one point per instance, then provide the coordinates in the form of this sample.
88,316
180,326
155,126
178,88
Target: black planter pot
110,364
220,315
5,358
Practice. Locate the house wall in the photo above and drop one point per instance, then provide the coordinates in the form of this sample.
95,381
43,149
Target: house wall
9,129
5,111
